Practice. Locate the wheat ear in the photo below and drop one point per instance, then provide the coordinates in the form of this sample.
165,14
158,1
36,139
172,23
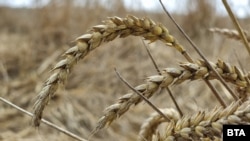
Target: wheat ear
149,126
207,125
112,28
190,71
230,33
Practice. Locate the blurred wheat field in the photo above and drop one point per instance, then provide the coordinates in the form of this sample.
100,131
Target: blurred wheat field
32,41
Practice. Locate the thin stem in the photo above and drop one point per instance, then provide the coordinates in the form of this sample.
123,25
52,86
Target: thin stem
44,121
200,53
237,25
142,96
159,72
215,93
175,102
151,57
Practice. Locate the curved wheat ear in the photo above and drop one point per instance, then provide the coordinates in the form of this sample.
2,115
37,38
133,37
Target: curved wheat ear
149,126
190,71
207,125
112,28
230,33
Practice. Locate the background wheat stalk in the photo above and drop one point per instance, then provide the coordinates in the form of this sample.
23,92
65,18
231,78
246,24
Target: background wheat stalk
230,33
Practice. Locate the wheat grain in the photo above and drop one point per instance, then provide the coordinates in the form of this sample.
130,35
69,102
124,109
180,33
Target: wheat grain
230,33
174,76
148,128
112,28
207,125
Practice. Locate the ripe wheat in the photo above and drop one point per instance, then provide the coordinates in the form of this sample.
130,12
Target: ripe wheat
112,28
174,76
202,126
206,125
149,126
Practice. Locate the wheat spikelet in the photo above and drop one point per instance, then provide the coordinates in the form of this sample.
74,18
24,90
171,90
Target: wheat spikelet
112,28
174,76
207,125
230,33
148,128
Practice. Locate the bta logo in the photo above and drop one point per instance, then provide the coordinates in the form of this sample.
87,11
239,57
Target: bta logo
235,132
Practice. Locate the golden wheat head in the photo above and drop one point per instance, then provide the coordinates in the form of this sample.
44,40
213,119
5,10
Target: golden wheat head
112,28
206,125
174,76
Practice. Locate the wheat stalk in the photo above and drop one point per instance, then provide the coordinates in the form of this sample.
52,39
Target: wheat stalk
237,25
230,33
149,126
44,121
112,28
174,76
195,47
207,125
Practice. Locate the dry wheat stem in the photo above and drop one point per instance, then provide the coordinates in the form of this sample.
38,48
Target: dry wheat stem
174,76
207,125
141,95
68,133
202,56
159,72
149,126
112,28
182,31
230,33
237,25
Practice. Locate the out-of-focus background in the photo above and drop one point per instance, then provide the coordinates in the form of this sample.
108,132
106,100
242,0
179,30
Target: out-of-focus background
35,33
